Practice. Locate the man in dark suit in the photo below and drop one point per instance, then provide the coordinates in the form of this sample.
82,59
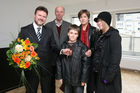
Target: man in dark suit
37,33
59,27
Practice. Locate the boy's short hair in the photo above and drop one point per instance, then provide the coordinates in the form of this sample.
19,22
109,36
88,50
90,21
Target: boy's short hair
82,12
42,8
74,27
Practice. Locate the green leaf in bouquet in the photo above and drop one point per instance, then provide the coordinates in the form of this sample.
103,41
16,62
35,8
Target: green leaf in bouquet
11,62
11,45
9,55
13,50
32,62
8,52
8,59
14,65
13,42
35,45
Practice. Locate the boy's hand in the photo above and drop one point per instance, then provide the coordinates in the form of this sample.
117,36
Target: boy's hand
61,81
88,53
67,52
82,84
70,52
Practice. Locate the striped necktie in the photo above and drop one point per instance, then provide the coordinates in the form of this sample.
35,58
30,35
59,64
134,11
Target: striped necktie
38,33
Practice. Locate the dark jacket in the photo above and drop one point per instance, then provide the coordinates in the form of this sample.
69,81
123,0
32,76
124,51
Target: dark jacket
45,45
73,71
106,61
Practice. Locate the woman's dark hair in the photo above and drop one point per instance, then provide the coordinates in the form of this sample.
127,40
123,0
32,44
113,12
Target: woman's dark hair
82,12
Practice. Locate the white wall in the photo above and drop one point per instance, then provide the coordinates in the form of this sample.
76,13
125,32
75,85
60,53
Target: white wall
17,13
129,62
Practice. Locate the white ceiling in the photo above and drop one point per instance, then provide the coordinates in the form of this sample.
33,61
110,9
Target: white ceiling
95,6
68,2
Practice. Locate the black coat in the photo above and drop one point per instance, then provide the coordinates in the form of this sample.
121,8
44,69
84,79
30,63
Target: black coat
45,45
106,62
75,70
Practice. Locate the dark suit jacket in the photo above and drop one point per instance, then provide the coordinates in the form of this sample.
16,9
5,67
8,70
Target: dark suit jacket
45,46
63,35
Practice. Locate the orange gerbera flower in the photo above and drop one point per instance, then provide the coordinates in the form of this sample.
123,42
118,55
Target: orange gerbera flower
18,39
27,64
27,42
27,52
27,48
37,58
17,55
17,60
13,56
33,54
22,55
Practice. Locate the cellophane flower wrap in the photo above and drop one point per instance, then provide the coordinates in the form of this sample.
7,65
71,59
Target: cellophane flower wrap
22,55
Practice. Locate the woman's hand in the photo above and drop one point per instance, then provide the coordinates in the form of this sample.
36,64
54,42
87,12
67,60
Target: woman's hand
88,53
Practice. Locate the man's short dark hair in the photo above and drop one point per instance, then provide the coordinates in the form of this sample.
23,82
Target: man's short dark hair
74,27
42,8
82,12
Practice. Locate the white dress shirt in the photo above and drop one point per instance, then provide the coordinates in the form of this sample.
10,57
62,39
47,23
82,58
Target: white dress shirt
35,28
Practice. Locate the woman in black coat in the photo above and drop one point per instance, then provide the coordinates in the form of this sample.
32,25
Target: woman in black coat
107,56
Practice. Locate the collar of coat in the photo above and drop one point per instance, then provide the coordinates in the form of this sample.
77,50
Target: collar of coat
76,43
108,33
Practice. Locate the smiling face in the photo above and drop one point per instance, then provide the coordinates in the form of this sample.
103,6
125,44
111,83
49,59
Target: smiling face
73,35
40,17
84,19
101,24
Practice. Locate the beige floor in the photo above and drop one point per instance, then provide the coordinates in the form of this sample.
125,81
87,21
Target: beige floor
130,83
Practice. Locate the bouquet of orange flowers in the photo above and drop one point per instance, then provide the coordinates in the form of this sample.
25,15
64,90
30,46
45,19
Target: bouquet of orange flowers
22,55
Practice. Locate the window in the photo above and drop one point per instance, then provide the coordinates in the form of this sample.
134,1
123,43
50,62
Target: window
128,25
75,20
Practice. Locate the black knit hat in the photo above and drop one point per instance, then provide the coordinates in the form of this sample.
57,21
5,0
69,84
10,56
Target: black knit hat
105,16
